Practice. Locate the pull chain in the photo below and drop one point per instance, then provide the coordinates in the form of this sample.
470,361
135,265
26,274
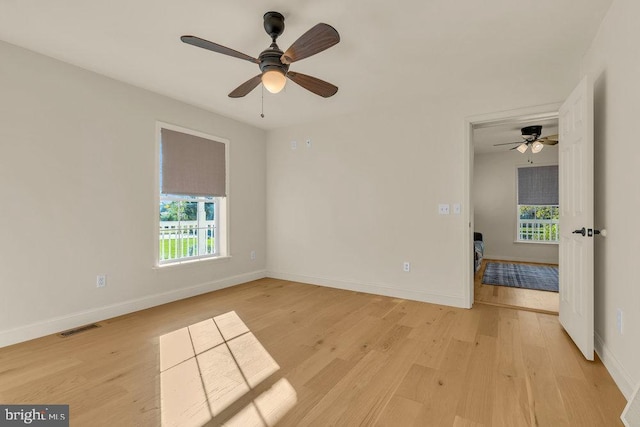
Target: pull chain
262,105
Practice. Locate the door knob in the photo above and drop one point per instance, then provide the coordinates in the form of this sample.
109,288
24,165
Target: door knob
582,231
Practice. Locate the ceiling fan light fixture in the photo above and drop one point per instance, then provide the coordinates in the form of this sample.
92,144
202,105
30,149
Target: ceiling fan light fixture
274,80
522,147
537,147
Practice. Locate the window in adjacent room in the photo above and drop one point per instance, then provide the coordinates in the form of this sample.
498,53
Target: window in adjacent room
538,211
193,196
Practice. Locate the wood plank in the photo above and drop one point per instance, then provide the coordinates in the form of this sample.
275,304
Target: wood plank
545,400
580,402
443,391
399,411
477,399
561,348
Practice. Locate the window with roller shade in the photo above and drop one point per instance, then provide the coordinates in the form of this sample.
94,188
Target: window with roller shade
193,196
538,209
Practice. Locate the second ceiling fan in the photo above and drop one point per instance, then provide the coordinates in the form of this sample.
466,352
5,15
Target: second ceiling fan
274,63
531,136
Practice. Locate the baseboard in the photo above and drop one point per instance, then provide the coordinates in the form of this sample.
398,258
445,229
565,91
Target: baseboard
616,370
377,289
62,323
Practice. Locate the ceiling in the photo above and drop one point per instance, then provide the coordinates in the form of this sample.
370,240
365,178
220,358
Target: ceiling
417,50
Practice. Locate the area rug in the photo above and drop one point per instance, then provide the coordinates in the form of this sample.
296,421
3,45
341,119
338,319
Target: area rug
540,277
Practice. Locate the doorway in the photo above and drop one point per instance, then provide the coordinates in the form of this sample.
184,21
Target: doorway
492,187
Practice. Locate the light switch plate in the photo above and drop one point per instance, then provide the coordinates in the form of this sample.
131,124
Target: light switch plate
443,209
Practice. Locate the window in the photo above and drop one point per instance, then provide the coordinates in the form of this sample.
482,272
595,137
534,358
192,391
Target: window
538,223
192,196
187,227
538,210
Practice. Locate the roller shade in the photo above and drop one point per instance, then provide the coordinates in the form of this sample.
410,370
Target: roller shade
538,185
191,165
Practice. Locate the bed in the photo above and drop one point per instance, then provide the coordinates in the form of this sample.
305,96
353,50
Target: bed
478,250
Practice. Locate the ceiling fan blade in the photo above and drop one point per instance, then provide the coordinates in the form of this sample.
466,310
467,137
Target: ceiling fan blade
507,143
317,39
215,47
312,84
246,87
549,140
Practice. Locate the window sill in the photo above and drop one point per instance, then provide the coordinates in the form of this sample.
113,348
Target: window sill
191,262
536,242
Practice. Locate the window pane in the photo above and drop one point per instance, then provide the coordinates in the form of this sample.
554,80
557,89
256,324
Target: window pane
189,211
210,211
527,212
169,211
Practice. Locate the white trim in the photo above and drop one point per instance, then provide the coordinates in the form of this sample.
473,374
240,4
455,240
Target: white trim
468,262
191,261
521,115
619,374
188,131
371,288
537,242
62,323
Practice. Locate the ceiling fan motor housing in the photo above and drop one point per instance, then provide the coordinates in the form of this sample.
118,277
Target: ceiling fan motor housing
270,59
531,132
273,24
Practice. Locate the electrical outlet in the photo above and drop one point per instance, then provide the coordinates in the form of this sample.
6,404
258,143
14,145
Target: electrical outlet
619,320
253,255
101,281
294,145
443,209
406,267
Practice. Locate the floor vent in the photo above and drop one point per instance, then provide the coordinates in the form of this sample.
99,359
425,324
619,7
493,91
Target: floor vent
78,330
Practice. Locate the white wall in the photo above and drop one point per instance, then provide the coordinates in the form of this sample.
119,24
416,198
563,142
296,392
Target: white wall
348,211
494,192
613,62
77,179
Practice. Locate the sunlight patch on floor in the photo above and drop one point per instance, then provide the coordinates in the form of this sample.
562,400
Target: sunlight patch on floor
209,365
268,408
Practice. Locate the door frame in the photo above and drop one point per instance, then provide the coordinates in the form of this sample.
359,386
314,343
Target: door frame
527,114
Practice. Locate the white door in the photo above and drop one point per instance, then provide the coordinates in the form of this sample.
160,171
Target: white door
576,216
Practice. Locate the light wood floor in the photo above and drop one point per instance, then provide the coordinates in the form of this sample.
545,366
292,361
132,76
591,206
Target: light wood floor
272,351
528,299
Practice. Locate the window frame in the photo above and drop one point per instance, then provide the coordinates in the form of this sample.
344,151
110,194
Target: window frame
221,213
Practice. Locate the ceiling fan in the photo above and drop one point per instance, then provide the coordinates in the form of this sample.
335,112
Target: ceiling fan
531,136
274,63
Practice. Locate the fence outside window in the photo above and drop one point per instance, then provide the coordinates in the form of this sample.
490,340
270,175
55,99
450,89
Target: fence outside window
538,223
